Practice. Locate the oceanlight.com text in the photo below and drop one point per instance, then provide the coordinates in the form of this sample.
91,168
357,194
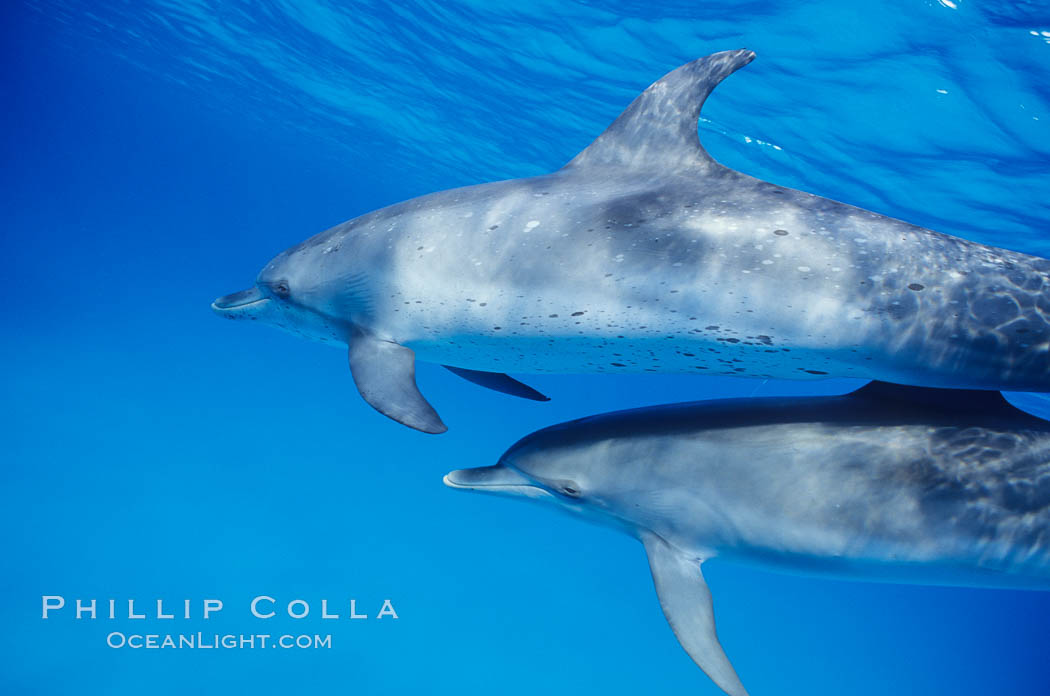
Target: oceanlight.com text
212,641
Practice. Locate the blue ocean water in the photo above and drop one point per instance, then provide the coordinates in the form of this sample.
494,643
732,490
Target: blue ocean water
158,153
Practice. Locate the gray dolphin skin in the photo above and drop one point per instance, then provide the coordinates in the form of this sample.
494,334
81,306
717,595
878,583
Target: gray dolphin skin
643,254
888,483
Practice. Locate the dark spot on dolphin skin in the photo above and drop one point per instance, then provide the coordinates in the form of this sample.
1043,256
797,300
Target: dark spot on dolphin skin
553,316
689,355
419,248
492,227
916,286
713,327
780,233
618,364
814,372
496,328
469,299
577,314
482,304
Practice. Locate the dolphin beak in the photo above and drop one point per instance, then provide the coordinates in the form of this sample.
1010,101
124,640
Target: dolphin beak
494,479
239,305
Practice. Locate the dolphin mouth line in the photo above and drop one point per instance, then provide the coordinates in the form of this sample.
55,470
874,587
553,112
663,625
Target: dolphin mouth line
477,486
228,308
485,487
242,301
493,480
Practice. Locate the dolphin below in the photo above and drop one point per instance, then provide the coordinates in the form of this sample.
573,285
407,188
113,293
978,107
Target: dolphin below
643,254
887,483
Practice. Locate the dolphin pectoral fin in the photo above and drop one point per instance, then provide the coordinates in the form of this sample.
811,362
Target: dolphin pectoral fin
385,374
686,602
499,382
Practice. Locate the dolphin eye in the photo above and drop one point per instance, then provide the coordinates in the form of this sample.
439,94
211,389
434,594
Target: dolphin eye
570,490
281,288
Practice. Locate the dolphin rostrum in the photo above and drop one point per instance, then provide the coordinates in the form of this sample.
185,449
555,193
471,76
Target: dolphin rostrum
643,254
888,483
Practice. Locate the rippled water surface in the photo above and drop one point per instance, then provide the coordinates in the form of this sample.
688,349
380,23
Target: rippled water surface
936,112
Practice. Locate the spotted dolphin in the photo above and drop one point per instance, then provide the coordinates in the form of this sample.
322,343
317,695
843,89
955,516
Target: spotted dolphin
643,254
888,483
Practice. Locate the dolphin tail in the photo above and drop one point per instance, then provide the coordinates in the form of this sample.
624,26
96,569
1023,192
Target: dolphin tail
657,132
686,602
385,374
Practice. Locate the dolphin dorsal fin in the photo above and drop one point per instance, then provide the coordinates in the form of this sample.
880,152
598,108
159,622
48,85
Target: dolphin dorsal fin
658,129
955,399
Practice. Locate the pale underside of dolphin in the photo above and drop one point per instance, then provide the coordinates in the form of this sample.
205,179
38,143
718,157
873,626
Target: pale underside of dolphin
643,254
888,483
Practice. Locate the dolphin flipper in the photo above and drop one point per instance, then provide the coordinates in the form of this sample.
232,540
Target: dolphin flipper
385,374
499,382
686,602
